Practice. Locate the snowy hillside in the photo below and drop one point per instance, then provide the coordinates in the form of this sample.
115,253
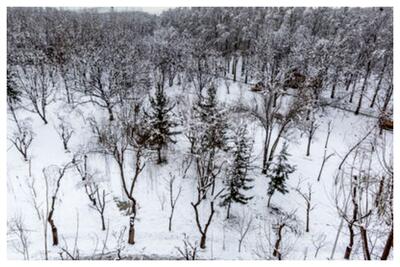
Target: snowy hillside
140,145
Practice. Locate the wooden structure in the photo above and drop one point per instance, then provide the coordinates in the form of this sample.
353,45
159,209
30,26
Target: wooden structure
258,87
385,123
294,79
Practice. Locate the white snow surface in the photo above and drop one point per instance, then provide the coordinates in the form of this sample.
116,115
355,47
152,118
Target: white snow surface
152,235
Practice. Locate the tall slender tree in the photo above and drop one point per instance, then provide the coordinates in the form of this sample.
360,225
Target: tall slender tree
279,174
238,180
160,121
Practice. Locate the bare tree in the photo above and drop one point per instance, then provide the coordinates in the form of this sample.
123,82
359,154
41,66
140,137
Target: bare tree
227,85
307,198
384,196
356,146
53,176
189,250
37,84
119,240
243,226
207,171
282,222
318,243
325,157
115,139
111,76
172,199
74,254
17,229
33,192
22,139
93,190
312,128
64,130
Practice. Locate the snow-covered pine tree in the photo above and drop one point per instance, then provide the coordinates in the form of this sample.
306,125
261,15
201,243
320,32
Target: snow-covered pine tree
160,121
208,126
13,95
279,173
237,181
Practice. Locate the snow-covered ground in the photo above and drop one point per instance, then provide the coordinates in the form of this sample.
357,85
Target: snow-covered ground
79,225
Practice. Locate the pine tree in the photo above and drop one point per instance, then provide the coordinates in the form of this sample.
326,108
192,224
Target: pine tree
238,180
160,122
279,173
208,125
13,95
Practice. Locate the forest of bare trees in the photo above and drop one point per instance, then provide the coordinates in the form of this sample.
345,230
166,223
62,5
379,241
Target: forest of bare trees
135,102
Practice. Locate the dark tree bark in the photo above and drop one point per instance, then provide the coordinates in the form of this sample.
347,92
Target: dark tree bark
110,112
353,89
387,98
367,72
277,252
378,86
311,131
54,231
388,246
131,236
351,243
353,220
50,220
203,230
364,238
349,81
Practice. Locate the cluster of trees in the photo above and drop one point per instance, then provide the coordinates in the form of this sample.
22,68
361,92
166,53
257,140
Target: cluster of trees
124,63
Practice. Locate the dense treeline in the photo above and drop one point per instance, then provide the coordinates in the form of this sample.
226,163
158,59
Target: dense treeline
342,46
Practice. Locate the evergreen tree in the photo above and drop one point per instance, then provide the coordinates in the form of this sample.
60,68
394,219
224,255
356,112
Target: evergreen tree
13,95
160,122
238,181
208,125
279,173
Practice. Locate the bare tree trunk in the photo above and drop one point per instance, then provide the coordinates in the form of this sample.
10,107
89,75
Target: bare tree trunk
203,231
228,210
103,225
269,201
387,98
265,153
325,158
203,241
131,236
309,145
234,65
15,117
351,243
308,209
173,200
275,144
110,112
349,81
311,132
349,247
336,239
363,88
277,252
364,238
388,246
353,89
378,86
334,84
67,91
54,231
